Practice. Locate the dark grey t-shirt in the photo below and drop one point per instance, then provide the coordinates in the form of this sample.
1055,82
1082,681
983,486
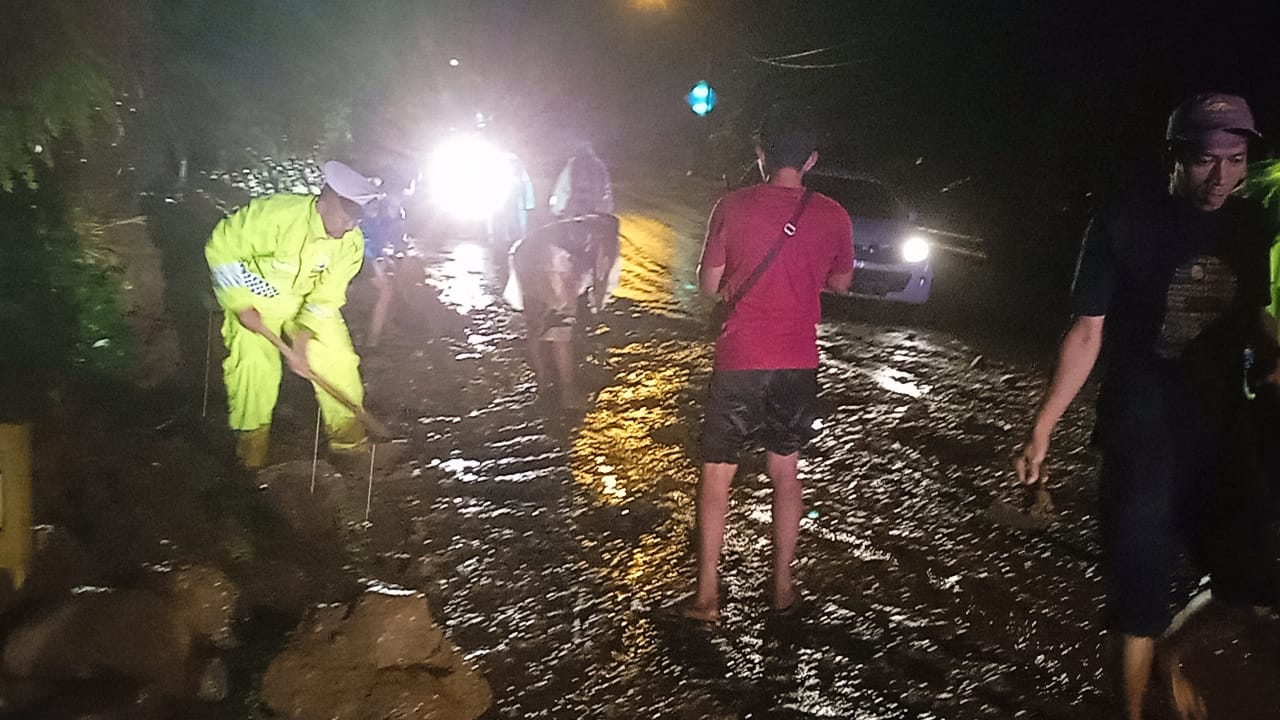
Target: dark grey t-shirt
1181,290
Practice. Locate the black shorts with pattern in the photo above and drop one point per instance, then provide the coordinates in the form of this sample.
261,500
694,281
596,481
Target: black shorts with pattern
776,408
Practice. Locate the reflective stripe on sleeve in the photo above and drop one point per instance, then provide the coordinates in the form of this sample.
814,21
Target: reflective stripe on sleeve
235,274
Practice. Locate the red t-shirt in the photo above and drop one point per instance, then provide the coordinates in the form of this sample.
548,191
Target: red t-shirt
774,326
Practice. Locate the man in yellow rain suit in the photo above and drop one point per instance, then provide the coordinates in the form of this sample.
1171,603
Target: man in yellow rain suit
283,263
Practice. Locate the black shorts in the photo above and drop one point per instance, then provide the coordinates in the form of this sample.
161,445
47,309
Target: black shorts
1165,494
776,408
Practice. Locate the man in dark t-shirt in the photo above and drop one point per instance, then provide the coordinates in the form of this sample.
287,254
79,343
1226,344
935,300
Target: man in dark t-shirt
764,385
1173,284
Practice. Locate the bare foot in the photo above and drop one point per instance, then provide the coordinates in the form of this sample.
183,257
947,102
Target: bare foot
1187,701
703,612
786,600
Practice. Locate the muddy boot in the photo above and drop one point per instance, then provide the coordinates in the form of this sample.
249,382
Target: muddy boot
358,460
252,446
356,457
350,458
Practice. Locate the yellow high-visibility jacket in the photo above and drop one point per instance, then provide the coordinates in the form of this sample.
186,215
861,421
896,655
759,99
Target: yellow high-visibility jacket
274,255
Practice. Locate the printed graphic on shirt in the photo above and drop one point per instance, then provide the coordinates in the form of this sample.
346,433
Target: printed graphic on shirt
1202,290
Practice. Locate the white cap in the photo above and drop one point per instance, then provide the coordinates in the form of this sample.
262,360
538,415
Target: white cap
350,184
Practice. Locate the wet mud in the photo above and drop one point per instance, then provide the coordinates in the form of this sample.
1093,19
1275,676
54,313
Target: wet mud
550,543
554,541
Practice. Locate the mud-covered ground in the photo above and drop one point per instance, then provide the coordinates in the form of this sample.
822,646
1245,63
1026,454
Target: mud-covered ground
552,541
549,543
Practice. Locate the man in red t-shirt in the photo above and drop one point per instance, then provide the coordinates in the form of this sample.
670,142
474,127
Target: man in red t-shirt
765,383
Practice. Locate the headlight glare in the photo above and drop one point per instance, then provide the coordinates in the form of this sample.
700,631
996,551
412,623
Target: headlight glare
915,249
469,178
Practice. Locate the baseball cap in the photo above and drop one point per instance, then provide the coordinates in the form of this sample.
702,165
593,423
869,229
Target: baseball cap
350,184
1199,117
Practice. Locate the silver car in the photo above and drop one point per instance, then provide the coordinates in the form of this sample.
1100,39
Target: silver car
891,256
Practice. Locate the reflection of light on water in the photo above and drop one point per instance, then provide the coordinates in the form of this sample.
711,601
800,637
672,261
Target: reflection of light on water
900,382
657,264
470,256
614,482
903,616
620,423
463,274
951,583
610,486
460,468
655,562
858,547
378,587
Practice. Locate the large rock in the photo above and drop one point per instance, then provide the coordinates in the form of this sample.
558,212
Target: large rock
127,633
59,562
280,587
205,600
149,637
334,503
383,657
17,694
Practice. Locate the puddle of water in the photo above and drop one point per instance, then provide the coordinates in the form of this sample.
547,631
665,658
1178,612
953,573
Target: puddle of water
461,278
898,381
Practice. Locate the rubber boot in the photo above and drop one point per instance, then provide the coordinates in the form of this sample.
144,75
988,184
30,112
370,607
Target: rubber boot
15,501
350,439
252,446
353,452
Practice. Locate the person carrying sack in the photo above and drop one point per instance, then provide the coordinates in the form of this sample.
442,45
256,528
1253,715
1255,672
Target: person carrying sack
557,273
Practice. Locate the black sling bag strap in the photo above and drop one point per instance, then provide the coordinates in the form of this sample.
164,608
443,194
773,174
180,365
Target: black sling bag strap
724,308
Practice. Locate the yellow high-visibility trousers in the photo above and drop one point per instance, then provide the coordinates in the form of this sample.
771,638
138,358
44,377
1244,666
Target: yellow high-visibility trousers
15,500
253,367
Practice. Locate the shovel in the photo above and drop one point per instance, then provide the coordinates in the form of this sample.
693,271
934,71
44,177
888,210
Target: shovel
372,424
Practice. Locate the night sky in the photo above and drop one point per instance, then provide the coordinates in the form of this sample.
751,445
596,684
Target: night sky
1011,110
1041,101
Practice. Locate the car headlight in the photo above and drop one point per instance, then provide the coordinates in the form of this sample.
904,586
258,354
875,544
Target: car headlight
469,178
915,249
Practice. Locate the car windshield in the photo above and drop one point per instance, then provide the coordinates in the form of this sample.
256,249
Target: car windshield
863,198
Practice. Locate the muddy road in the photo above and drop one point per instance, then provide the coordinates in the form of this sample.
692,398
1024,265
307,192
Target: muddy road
555,540
551,542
